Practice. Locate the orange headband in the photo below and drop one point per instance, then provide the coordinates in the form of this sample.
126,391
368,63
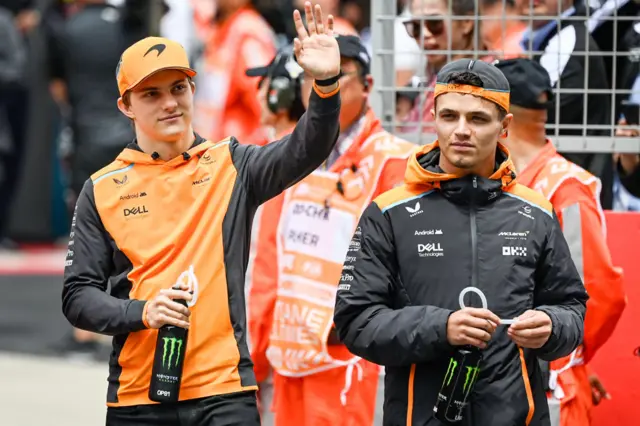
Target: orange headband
499,97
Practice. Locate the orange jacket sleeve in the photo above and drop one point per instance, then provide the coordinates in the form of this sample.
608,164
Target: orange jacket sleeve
582,223
263,285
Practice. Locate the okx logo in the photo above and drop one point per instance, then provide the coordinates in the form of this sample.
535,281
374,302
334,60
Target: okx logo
171,351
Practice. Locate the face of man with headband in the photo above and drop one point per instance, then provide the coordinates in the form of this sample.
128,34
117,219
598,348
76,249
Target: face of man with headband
471,114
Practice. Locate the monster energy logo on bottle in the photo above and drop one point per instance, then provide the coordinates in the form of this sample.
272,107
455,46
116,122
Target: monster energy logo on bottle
472,375
453,364
470,378
170,344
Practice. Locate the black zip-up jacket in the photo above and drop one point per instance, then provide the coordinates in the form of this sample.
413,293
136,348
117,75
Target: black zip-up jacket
416,247
143,224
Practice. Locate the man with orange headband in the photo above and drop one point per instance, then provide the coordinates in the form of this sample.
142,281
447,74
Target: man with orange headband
462,224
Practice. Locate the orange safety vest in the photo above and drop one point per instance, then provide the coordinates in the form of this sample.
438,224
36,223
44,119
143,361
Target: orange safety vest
575,195
318,219
226,100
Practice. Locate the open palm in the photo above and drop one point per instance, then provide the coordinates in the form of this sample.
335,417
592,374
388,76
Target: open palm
316,50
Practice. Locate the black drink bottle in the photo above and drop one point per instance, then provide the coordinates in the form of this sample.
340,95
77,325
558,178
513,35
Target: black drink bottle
168,360
462,373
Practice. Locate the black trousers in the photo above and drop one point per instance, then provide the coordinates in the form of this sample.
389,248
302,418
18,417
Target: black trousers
237,409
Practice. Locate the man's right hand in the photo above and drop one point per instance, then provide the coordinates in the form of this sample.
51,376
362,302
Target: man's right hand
471,326
163,310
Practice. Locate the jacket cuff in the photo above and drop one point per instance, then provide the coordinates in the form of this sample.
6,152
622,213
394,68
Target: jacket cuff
441,330
325,103
551,344
135,315
144,315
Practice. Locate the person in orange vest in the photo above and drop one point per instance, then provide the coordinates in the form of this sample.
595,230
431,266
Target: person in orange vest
575,195
281,105
298,261
235,37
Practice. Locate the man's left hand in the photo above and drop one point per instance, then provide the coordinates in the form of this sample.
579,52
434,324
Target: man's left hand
315,48
531,330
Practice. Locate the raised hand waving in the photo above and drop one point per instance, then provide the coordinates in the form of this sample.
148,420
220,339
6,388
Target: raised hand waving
316,50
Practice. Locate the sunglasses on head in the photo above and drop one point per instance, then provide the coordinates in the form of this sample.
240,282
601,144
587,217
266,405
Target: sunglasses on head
434,25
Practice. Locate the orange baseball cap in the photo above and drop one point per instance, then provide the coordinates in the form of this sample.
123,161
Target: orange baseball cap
147,57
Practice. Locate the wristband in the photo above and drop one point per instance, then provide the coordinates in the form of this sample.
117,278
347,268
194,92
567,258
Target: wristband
329,81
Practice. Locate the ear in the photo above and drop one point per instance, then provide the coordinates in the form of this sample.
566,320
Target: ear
433,113
193,86
505,125
368,83
125,109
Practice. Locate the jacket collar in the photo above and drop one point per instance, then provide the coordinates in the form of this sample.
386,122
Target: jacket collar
423,171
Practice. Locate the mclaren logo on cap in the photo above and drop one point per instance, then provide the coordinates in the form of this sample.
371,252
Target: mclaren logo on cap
158,47
118,67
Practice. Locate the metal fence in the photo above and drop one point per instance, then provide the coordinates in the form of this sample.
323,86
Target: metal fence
581,136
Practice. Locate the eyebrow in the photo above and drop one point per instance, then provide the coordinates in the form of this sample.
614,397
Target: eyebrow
149,89
451,111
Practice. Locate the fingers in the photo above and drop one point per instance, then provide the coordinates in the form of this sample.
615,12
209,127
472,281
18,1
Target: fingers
308,13
531,319
330,25
484,314
466,338
479,323
300,29
531,333
177,294
319,21
476,333
164,319
530,323
168,312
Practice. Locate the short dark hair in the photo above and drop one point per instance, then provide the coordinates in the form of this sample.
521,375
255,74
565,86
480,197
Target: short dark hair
508,3
463,7
472,79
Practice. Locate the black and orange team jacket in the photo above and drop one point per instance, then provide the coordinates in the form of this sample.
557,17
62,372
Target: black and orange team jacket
417,247
143,224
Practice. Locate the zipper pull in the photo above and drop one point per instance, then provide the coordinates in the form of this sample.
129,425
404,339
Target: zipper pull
475,182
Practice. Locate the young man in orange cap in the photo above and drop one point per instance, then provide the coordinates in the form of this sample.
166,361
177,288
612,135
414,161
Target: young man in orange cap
174,206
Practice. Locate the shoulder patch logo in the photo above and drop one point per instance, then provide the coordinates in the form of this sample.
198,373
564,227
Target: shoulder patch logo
119,182
414,210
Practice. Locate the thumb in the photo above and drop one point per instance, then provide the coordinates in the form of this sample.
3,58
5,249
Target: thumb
297,47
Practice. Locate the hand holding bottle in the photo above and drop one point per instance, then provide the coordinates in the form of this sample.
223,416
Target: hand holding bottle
471,326
165,310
